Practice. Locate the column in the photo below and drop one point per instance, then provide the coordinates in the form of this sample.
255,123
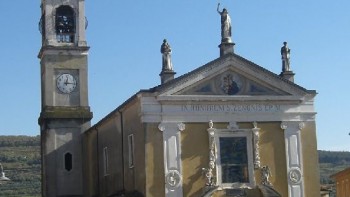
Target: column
294,158
172,157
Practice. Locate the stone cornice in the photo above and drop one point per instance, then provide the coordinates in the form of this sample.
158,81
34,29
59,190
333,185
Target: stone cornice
50,112
223,98
63,50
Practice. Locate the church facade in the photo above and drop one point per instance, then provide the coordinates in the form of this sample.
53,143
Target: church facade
228,128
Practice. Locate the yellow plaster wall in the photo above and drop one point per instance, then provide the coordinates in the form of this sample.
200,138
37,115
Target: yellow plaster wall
90,160
195,153
154,161
310,160
273,154
134,178
112,182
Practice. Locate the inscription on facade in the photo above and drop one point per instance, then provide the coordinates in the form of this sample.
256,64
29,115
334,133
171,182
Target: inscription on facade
232,108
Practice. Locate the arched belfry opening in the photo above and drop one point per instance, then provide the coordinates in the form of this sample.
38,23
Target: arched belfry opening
65,24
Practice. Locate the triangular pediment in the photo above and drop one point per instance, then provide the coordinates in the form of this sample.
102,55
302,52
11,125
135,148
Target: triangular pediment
229,82
231,75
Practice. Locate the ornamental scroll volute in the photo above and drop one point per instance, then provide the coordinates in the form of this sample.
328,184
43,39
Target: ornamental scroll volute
256,139
209,171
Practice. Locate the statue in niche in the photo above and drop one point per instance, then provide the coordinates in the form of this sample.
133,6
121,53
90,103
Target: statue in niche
285,53
265,175
225,25
166,57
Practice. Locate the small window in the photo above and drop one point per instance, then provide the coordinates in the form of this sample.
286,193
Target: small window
68,161
105,161
65,24
131,150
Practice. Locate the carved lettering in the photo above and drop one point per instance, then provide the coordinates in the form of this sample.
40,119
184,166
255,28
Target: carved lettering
232,108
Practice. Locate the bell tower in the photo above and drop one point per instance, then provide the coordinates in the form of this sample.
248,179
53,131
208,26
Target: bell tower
65,112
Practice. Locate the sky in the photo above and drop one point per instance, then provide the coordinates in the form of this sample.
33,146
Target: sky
125,38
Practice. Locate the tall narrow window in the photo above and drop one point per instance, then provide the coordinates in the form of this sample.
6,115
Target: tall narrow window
105,161
65,24
131,150
235,158
68,161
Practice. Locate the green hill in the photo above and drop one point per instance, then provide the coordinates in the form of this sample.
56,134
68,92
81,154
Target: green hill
332,162
20,156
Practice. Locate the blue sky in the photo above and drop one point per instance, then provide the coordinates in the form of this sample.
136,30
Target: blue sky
125,38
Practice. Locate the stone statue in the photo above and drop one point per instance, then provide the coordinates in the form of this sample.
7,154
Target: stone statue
166,57
285,53
225,25
265,175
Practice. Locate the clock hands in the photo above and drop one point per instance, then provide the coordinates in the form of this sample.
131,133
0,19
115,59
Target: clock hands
67,81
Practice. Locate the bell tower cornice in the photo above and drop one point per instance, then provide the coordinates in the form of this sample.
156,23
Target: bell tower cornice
63,50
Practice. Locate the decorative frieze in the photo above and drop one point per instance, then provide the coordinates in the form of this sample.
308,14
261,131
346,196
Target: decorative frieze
201,108
248,108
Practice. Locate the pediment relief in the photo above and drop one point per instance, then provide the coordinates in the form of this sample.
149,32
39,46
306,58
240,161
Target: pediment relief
229,82
231,75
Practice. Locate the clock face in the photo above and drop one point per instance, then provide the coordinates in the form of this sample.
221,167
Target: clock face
66,83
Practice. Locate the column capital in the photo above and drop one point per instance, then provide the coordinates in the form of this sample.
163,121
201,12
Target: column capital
178,125
288,125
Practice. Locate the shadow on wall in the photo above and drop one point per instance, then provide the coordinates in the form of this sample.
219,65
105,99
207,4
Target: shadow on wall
195,156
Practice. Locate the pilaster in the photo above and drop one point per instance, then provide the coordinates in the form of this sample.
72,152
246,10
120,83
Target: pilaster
294,158
172,157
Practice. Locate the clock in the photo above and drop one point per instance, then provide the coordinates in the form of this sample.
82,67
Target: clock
66,83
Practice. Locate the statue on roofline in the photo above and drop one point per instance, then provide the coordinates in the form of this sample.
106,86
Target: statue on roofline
166,56
225,25
285,53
